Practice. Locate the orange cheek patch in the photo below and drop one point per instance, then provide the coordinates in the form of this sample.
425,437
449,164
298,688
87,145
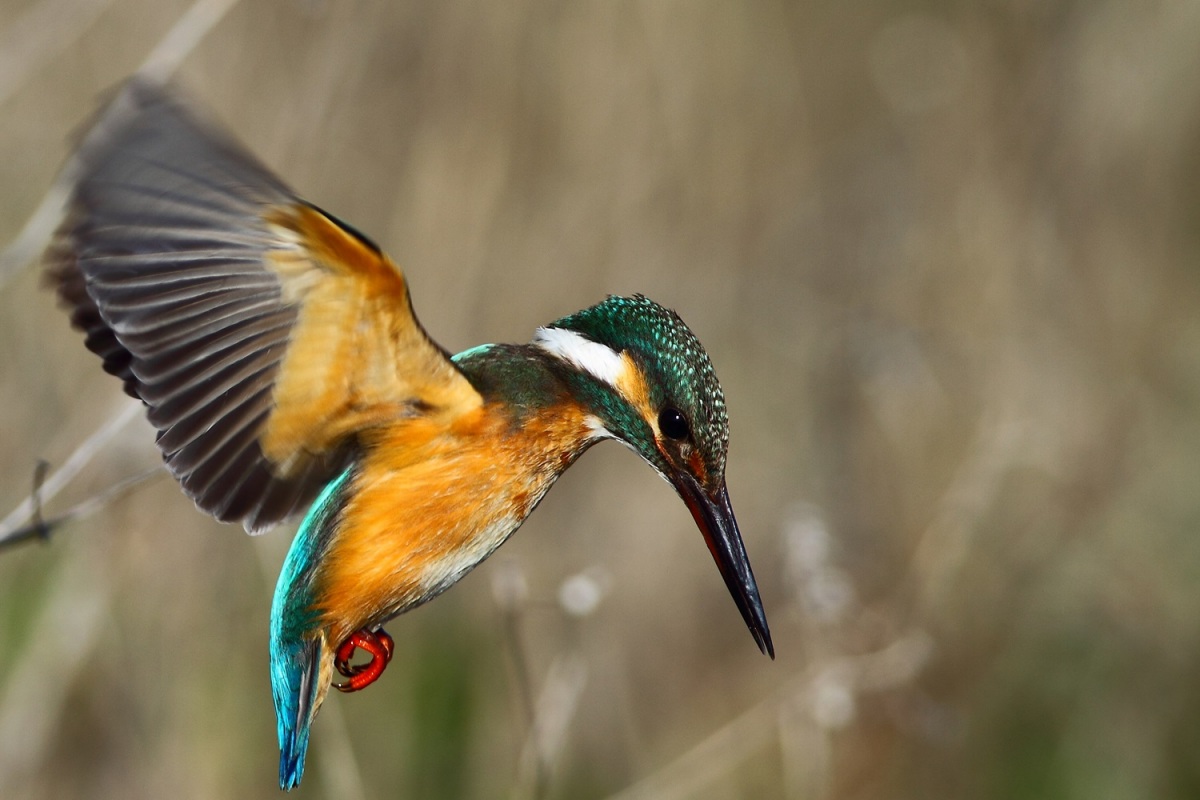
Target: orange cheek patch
697,467
632,384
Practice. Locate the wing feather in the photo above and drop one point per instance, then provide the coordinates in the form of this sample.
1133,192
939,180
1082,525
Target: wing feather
263,334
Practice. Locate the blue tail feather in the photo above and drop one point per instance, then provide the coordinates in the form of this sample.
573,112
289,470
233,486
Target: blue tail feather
294,685
296,638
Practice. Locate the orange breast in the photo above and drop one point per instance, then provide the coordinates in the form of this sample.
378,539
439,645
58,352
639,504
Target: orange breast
431,501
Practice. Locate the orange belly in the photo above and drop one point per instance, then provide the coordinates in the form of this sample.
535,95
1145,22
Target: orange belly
430,502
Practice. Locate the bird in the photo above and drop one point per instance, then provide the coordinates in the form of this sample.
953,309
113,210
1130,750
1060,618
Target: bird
279,359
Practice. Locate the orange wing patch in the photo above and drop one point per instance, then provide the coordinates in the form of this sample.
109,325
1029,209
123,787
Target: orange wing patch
357,357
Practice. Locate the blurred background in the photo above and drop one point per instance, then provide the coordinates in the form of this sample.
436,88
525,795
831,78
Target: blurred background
944,257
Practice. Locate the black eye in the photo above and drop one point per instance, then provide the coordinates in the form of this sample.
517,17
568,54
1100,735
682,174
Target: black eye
672,423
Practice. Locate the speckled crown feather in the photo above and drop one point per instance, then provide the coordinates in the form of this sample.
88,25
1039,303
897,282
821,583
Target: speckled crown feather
680,371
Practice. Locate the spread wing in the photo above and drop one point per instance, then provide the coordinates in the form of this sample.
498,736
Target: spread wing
263,334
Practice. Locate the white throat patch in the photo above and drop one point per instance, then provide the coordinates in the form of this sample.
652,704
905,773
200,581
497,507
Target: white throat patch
598,360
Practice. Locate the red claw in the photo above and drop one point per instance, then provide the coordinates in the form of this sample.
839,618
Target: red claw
376,643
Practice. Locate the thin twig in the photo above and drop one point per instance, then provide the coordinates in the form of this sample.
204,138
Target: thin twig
38,229
39,477
74,464
40,528
509,592
188,31
556,706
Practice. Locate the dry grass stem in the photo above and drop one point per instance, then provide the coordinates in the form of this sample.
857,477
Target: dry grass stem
556,707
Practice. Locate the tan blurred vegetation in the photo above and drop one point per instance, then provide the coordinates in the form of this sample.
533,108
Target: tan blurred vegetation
944,257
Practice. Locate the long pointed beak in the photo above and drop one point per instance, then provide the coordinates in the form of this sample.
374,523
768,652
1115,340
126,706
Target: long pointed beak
714,516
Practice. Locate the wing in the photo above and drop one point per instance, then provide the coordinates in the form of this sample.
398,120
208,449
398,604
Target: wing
263,334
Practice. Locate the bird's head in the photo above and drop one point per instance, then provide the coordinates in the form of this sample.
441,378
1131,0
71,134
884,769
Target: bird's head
646,381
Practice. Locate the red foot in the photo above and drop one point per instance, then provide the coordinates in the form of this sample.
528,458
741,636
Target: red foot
378,644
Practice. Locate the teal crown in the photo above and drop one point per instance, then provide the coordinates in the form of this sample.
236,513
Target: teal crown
678,371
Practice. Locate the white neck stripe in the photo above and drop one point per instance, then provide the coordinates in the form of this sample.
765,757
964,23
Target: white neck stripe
598,360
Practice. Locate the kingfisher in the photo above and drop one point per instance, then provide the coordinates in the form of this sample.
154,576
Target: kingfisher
277,353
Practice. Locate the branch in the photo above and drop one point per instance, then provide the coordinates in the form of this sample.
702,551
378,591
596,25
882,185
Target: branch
41,529
82,455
